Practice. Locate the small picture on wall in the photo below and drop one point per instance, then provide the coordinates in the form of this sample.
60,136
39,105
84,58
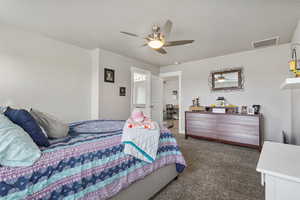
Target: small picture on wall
109,75
122,91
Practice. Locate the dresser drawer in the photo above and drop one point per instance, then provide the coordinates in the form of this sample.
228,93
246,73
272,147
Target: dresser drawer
242,120
239,138
198,116
236,128
201,125
204,131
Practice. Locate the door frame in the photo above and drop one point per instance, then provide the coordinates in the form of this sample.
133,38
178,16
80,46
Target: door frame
161,92
148,100
179,75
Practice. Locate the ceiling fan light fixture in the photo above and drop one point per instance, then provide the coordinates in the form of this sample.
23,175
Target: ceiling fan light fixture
158,39
155,44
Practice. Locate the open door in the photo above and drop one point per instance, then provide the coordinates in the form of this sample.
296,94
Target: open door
157,98
141,90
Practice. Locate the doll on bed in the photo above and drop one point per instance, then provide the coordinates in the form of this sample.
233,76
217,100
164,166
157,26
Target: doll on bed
139,120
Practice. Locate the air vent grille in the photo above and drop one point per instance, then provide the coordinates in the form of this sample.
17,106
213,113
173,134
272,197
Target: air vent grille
265,42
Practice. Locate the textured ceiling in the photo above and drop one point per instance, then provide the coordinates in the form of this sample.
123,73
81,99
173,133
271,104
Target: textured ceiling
218,26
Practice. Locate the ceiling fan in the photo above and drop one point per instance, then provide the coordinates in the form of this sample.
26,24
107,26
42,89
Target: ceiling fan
158,38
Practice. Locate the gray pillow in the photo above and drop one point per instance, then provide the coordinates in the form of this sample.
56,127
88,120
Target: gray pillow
54,128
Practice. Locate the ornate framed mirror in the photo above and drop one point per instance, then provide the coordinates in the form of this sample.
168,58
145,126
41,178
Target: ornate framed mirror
231,79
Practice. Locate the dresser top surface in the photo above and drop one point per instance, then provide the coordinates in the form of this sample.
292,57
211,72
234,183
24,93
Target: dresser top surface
211,113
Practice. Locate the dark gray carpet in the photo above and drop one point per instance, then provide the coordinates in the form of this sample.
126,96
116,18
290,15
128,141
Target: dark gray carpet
215,172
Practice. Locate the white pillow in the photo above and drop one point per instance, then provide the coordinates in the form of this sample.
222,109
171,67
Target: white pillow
17,149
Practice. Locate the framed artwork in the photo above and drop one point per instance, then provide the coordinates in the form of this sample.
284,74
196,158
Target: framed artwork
227,80
122,91
244,110
109,75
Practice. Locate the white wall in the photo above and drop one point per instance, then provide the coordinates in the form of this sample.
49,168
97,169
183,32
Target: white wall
296,96
62,79
169,87
295,136
111,105
265,69
95,87
296,35
43,73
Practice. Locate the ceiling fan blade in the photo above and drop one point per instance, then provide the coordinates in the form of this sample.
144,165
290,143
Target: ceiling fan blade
144,45
131,34
167,28
161,51
176,43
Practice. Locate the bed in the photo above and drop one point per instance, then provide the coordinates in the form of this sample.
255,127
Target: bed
90,164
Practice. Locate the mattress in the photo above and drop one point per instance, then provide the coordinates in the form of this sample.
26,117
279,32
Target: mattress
89,164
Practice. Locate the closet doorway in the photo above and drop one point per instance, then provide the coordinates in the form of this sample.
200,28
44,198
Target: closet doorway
172,115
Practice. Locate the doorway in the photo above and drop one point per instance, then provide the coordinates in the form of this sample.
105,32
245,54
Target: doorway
146,93
172,108
141,90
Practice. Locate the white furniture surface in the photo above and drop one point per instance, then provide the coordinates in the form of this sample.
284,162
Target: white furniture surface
290,83
279,165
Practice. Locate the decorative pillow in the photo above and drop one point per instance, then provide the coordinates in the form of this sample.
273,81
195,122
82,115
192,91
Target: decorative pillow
28,123
53,127
16,147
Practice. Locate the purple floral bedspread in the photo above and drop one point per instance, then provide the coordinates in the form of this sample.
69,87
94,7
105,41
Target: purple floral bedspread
89,164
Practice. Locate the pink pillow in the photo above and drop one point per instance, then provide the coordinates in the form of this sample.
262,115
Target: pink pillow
137,116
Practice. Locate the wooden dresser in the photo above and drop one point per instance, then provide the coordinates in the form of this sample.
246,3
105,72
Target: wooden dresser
239,129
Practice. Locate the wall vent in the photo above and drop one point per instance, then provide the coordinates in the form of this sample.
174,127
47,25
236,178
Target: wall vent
266,42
